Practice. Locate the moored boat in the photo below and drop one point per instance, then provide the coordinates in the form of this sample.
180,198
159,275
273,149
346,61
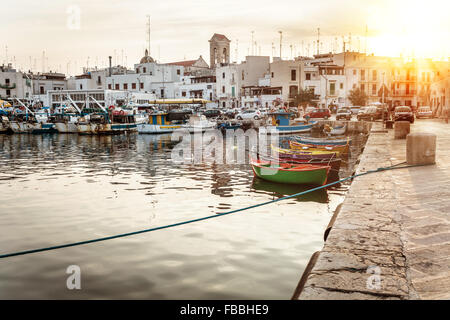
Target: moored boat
290,173
157,123
308,147
335,131
305,155
282,124
323,141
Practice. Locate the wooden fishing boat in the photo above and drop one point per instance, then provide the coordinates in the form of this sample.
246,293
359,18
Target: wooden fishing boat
323,141
306,147
335,131
282,124
334,163
290,173
305,155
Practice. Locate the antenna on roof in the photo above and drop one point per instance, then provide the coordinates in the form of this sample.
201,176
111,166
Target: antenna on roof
148,33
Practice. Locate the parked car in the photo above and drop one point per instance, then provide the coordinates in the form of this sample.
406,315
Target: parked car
344,113
403,113
424,112
249,114
212,113
319,113
367,113
355,109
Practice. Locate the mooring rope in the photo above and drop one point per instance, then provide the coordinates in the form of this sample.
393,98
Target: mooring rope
73,244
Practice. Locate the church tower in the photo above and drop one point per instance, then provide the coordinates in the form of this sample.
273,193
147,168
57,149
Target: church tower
219,50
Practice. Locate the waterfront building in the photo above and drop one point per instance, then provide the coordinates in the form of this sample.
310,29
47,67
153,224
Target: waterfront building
232,77
198,87
287,75
43,82
14,84
440,91
260,96
93,97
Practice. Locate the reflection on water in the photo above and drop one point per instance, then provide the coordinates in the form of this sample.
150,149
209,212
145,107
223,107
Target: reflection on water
64,188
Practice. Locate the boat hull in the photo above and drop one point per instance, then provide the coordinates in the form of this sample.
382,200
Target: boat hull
98,128
35,128
307,147
306,155
309,174
63,127
146,128
323,142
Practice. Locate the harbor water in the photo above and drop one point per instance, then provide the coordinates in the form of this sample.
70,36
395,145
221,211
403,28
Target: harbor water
56,189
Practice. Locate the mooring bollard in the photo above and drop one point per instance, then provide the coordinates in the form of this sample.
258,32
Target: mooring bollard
401,129
420,148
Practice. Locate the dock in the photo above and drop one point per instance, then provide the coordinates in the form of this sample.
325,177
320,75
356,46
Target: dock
391,236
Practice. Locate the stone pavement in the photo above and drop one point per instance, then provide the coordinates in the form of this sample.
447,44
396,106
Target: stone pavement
391,239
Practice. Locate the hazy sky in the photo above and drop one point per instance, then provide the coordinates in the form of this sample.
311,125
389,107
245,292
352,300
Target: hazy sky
71,31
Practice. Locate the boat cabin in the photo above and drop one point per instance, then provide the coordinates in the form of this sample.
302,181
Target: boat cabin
280,118
158,118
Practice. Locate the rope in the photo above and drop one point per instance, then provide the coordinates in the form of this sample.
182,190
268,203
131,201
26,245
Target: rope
20,253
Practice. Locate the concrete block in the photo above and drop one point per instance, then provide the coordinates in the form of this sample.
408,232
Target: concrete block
420,148
401,129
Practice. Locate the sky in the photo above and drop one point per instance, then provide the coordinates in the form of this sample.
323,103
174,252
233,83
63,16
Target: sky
66,36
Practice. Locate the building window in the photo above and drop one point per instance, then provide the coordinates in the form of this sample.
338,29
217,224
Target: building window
144,69
341,85
362,87
272,74
242,74
142,85
117,86
133,85
162,93
363,75
293,75
42,90
81,87
374,89
223,75
183,94
178,71
332,88
109,86
223,89
374,75
137,70
210,96
308,76
8,92
6,81
125,86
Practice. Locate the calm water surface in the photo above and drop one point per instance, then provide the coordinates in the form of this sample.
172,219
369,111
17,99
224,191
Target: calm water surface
57,189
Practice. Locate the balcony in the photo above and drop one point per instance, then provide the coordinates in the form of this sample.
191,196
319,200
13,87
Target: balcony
404,93
7,86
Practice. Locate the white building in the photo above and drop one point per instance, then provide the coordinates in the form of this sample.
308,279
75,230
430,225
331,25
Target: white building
198,87
90,98
43,82
287,75
14,84
148,76
230,78
260,97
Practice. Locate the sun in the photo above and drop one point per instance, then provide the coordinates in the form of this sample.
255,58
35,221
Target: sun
411,28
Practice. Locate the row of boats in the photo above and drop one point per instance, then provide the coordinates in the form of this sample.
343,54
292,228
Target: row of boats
312,161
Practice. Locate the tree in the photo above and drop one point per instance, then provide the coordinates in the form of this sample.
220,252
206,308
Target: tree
305,97
357,97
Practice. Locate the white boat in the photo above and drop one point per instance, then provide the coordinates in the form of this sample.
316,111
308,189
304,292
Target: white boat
4,124
199,123
100,123
157,123
282,124
335,131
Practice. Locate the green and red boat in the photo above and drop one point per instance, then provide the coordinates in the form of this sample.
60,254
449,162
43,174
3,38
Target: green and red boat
291,173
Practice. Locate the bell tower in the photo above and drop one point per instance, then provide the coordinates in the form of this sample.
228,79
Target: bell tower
219,50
